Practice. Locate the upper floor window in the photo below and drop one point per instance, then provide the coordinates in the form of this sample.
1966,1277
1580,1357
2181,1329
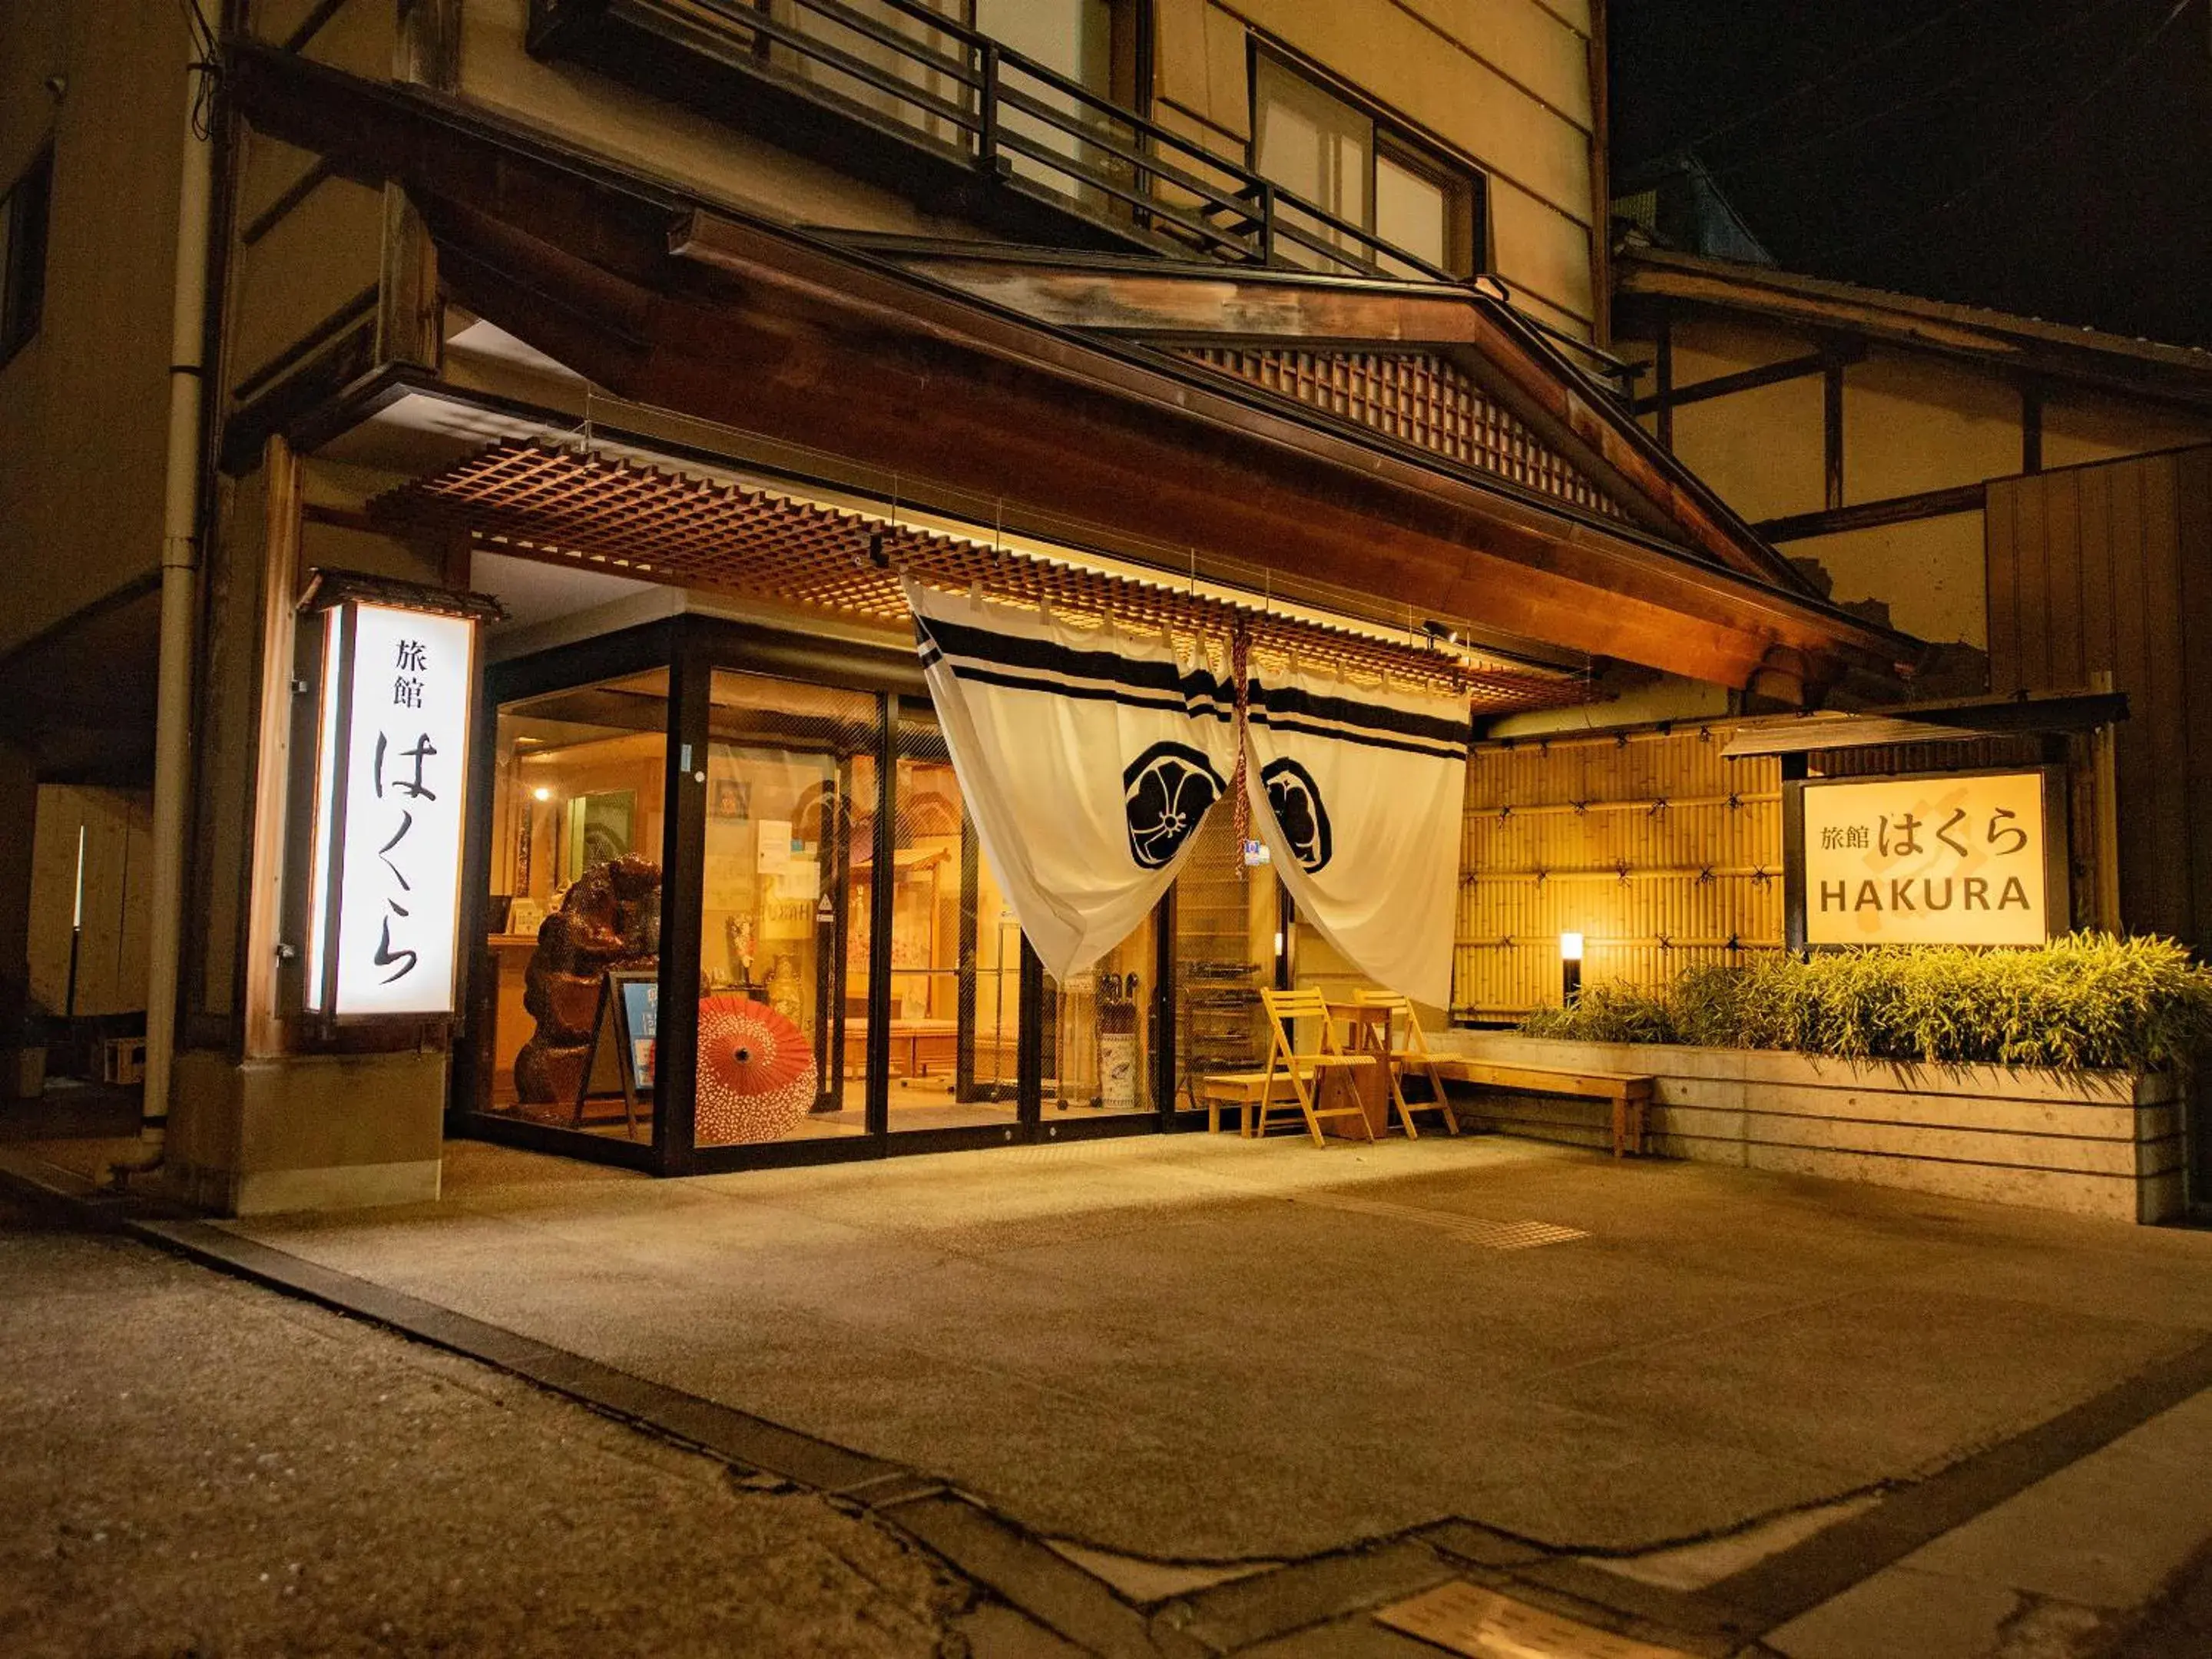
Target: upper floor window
23,254
1338,155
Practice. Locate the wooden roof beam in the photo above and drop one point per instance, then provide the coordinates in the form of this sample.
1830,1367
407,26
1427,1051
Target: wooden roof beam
768,330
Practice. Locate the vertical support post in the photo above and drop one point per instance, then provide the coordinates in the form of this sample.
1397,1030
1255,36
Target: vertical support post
1028,1043
882,891
408,306
478,1012
1832,423
682,868
1163,1005
2031,427
263,972
963,1042
1663,387
1794,770
829,979
986,113
840,967
2104,760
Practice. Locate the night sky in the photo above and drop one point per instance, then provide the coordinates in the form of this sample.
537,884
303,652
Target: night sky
2050,157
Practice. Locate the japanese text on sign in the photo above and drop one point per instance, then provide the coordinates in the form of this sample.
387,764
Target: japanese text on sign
391,780
1936,860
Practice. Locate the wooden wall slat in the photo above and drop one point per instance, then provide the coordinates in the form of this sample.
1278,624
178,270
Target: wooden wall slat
2132,755
2032,592
2002,552
2109,568
2096,589
2160,716
2062,581
2192,475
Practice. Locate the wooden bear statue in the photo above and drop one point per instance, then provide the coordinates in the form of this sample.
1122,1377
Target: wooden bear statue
610,919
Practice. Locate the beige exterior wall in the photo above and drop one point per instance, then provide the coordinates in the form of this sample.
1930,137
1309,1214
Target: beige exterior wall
80,484
1929,572
600,113
114,829
1760,449
1913,422
1504,84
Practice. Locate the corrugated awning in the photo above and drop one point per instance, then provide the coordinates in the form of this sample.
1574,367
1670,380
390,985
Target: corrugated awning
564,505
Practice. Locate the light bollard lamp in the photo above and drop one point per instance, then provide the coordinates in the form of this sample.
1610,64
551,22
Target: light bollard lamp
1570,968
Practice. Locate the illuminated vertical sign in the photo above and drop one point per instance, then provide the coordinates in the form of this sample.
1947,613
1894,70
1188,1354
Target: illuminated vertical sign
392,776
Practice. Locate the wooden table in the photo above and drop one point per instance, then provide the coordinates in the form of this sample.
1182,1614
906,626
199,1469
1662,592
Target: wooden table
922,1042
1367,1032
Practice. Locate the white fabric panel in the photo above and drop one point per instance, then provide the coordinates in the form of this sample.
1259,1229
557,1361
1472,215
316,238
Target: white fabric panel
1087,757
1358,795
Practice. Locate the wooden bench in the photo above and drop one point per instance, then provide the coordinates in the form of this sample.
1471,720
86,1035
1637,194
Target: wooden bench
1239,1090
1629,1092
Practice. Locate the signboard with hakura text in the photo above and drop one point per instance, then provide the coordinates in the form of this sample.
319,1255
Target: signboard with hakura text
391,780
1957,858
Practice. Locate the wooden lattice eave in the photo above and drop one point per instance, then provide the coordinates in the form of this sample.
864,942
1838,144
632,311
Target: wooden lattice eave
569,506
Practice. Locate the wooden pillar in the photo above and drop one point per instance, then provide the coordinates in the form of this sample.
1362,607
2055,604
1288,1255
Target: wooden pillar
266,1035
1831,411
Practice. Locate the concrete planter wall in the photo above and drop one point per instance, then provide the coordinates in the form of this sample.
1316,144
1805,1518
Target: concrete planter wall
2106,1144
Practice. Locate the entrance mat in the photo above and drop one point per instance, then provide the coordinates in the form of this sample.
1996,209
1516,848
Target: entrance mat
1465,1619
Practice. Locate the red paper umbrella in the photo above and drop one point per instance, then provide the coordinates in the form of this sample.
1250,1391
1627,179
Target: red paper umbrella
757,1076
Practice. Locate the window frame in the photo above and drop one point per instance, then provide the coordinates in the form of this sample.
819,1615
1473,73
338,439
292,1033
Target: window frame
1465,186
28,210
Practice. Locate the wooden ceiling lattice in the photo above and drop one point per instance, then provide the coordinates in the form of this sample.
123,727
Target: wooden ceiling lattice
614,515
1418,399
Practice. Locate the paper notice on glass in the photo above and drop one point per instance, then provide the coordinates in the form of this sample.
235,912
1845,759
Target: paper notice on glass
774,845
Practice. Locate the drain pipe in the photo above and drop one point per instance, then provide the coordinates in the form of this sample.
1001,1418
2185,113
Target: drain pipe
180,557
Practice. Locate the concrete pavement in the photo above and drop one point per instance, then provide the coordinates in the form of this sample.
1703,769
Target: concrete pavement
196,1466
1196,1396
1201,1349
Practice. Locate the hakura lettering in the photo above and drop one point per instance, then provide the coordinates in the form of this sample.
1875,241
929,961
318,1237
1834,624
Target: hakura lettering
1924,893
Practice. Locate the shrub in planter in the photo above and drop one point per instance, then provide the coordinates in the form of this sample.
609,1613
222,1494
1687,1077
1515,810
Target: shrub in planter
2087,1001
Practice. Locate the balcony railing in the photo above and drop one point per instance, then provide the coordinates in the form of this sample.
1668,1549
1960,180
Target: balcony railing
973,119
1012,120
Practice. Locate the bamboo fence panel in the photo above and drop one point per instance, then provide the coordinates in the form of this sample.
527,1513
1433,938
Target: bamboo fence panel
1661,853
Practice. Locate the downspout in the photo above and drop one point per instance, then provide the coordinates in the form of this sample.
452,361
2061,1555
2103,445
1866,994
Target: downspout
180,558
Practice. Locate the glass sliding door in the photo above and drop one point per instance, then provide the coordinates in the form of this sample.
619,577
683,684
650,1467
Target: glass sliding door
954,958
784,958
565,988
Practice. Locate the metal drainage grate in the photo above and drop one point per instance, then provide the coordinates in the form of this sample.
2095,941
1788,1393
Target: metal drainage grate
1489,1235
1465,1619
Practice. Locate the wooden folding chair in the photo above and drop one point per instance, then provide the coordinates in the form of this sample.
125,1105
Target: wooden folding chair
1411,1050
1305,1071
